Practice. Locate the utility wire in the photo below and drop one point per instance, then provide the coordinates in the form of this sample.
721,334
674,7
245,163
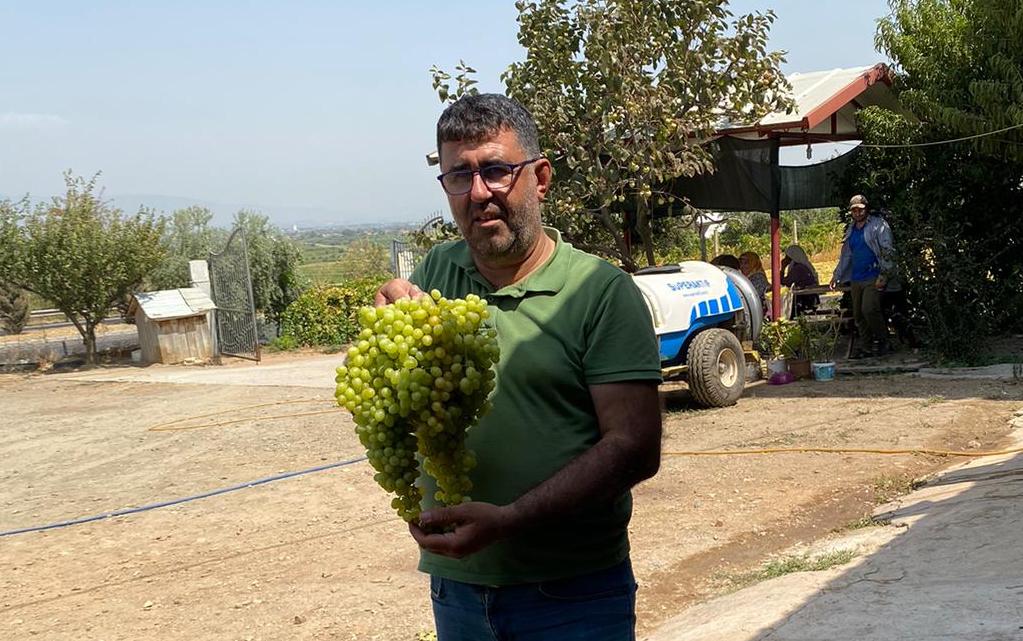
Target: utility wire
925,144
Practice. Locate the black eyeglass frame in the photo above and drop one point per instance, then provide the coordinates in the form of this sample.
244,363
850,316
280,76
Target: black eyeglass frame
511,167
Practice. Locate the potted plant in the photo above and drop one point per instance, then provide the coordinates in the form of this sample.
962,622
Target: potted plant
802,349
819,338
780,337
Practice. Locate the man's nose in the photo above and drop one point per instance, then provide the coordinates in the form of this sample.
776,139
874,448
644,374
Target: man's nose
479,192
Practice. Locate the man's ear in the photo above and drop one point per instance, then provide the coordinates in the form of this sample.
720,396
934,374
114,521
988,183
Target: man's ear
544,173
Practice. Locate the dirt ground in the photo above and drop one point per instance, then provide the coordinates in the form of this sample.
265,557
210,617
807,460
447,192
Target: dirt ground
320,556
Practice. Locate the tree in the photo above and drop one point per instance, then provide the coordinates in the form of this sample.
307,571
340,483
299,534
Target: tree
273,264
13,308
80,253
960,65
956,209
624,92
364,258
188,236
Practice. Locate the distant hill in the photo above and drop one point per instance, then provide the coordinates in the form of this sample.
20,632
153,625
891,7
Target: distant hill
285,217
223,213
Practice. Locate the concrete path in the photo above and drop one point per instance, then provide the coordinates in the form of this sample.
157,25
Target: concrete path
308,371
949,567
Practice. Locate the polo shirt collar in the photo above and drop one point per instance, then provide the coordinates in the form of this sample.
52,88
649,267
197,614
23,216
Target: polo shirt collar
548,278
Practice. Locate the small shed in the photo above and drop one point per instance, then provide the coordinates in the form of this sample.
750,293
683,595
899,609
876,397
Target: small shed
173,325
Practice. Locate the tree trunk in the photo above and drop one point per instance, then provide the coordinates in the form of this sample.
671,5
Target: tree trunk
90,344
623,251
645,231
87,329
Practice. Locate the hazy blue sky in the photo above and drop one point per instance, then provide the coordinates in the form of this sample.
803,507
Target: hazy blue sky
325,105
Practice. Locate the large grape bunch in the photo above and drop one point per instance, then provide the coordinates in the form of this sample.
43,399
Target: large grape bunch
415,380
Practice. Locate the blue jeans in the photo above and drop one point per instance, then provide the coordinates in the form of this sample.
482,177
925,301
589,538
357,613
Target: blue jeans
600,606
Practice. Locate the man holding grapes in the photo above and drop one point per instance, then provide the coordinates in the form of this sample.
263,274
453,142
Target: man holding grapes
541,549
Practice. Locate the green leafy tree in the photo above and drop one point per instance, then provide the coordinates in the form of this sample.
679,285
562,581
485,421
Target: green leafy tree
80,253
956,209
960,65
273,264
364,258
623,92
13,308
188,236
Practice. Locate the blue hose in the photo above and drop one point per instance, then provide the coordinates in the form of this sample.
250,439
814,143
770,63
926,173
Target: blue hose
153,506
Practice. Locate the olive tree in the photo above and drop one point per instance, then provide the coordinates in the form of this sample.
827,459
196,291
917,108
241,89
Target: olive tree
624,92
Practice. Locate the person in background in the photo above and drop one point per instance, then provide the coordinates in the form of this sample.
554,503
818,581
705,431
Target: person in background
797,272
752,267
726,260
866,263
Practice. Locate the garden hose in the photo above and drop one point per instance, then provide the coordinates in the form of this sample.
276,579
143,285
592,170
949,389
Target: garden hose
173,426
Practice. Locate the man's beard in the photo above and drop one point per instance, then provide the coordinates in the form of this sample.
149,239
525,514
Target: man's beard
511,246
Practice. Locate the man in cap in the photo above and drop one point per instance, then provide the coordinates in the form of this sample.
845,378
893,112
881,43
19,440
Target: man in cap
866,263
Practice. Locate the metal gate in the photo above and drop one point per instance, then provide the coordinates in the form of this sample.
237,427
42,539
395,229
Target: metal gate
231,290
403,259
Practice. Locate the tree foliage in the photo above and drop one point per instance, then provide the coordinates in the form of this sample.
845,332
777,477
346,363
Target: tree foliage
960,66
623,91
273,264
13,308
956,209
188,236
327,315
364,258
80,253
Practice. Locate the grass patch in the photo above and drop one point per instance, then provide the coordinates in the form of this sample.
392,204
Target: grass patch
860,523
932,400
889,487
790,565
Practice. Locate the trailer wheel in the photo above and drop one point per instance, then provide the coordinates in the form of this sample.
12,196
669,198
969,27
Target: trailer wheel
717,368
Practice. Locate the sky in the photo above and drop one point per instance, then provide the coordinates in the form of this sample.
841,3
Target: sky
313,112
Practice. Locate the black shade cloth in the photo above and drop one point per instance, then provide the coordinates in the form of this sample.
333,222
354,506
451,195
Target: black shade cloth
748,178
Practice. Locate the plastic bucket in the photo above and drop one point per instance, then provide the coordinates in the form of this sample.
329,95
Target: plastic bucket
824,371
776,366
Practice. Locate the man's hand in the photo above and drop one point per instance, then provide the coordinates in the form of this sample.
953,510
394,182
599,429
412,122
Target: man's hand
833,284
476,525
394,290
881,282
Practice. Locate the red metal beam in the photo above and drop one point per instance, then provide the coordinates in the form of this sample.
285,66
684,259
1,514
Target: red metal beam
877,73
775,266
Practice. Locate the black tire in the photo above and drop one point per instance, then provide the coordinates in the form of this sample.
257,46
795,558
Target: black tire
717,368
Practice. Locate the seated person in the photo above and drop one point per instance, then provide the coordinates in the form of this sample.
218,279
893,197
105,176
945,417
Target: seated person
726,260
797,272
753,269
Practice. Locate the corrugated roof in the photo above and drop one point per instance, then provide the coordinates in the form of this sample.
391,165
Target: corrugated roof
821,95
168,304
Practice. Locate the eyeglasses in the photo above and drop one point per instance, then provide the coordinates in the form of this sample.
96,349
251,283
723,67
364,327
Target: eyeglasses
496,177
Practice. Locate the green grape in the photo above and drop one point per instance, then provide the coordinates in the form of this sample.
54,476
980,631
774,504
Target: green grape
418,376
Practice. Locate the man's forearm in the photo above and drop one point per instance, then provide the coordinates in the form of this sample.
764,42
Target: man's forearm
600,475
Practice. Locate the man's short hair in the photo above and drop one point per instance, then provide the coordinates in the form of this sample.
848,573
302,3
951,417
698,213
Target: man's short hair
479,117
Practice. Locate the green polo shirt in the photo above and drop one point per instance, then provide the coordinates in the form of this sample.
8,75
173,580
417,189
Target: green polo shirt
574,322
